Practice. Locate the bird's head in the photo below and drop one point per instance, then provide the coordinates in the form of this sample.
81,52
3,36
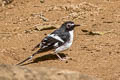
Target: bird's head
69,25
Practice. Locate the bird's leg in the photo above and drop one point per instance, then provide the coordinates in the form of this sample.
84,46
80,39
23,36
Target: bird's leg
62,59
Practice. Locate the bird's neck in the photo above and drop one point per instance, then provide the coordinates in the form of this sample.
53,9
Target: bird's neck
63,29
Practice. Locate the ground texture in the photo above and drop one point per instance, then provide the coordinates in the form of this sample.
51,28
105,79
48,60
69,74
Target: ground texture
96,55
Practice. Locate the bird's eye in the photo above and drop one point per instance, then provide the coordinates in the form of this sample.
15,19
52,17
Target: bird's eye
68,26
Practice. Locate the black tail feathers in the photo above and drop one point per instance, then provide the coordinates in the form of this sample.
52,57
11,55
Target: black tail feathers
30,57
37,46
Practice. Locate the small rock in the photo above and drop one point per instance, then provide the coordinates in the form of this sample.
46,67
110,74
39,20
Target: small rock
42,1
44,27
5,2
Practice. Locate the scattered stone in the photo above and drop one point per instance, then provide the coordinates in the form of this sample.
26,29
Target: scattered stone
39,27
96,32
27,31
76,11
24,48
5,2
41,16
107,22
45,27
42,1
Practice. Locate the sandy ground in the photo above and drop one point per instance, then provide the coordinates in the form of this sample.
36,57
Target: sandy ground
97,55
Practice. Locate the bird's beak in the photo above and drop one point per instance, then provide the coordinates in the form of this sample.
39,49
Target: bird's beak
77,25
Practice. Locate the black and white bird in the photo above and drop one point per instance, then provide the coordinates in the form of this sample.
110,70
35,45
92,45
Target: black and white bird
59,40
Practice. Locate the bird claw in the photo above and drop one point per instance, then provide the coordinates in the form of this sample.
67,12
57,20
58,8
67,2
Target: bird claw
66,59
63,59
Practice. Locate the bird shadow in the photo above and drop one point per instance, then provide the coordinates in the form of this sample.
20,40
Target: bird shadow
44,58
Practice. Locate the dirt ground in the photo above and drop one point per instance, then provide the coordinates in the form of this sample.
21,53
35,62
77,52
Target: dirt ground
96,55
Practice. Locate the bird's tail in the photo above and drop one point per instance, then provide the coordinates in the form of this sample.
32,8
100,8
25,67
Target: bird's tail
37,46
30,57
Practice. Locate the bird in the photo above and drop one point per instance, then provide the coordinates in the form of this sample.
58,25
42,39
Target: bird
59,40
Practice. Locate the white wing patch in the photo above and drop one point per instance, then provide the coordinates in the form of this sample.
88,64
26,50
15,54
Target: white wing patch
56,44
56,37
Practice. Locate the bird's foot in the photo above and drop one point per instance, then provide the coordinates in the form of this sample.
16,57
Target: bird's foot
66,59
63,59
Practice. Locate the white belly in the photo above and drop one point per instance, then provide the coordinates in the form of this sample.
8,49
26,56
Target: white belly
67,44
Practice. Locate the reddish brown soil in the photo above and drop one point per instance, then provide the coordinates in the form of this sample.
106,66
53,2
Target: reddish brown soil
97,55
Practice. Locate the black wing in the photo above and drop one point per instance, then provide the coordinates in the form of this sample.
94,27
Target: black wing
52,41
48,43
62,34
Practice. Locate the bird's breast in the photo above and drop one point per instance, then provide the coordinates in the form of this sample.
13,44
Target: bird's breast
67,44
